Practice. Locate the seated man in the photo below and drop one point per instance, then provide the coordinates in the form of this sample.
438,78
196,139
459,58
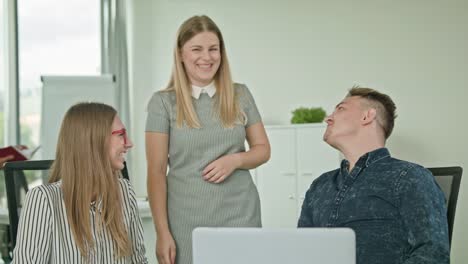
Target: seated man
395,207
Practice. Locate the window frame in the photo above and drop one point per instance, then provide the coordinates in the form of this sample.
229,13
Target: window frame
10,46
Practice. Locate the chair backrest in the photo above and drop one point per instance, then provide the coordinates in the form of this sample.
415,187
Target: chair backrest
449,179
17,175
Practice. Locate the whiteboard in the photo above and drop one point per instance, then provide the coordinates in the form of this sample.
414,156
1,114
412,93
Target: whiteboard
59,93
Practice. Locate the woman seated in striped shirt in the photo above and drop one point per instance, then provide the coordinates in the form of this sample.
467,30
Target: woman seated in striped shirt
87,213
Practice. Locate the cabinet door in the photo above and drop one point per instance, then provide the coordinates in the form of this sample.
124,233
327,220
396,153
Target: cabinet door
276,180
314,158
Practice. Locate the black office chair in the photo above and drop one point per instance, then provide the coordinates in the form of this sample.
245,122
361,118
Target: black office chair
449,179
15,172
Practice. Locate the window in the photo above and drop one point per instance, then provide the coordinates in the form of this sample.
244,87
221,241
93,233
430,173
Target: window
55,38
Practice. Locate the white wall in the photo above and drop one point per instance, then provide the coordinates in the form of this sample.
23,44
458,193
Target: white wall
308,53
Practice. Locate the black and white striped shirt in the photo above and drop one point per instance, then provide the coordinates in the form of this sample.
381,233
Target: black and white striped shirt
44,235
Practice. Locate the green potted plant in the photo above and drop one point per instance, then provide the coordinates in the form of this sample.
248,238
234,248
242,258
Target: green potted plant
308,115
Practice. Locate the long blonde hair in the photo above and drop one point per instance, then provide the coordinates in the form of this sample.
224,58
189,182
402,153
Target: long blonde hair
226,102
83,164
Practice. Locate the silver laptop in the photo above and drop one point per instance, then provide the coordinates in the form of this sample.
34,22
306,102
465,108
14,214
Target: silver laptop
274,246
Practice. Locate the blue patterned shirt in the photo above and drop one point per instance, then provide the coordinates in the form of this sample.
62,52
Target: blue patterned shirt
395,207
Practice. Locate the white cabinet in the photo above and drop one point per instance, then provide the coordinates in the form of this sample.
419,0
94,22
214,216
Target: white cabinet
298,156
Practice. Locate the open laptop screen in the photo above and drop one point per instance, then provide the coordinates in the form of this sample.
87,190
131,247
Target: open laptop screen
274,246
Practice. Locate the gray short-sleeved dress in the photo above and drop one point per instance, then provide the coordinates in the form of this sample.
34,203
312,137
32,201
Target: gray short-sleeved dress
193,202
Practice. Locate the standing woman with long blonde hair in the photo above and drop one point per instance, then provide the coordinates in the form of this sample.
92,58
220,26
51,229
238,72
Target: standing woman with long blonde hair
198,126
87,213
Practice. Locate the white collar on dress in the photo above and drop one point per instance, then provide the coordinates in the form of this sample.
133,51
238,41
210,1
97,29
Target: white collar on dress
210,89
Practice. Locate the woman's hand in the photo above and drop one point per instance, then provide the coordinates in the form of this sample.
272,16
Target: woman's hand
165,249
218,170
5,159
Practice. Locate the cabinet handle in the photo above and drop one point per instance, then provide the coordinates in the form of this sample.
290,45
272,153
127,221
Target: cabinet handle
291,197
288,173
307,174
